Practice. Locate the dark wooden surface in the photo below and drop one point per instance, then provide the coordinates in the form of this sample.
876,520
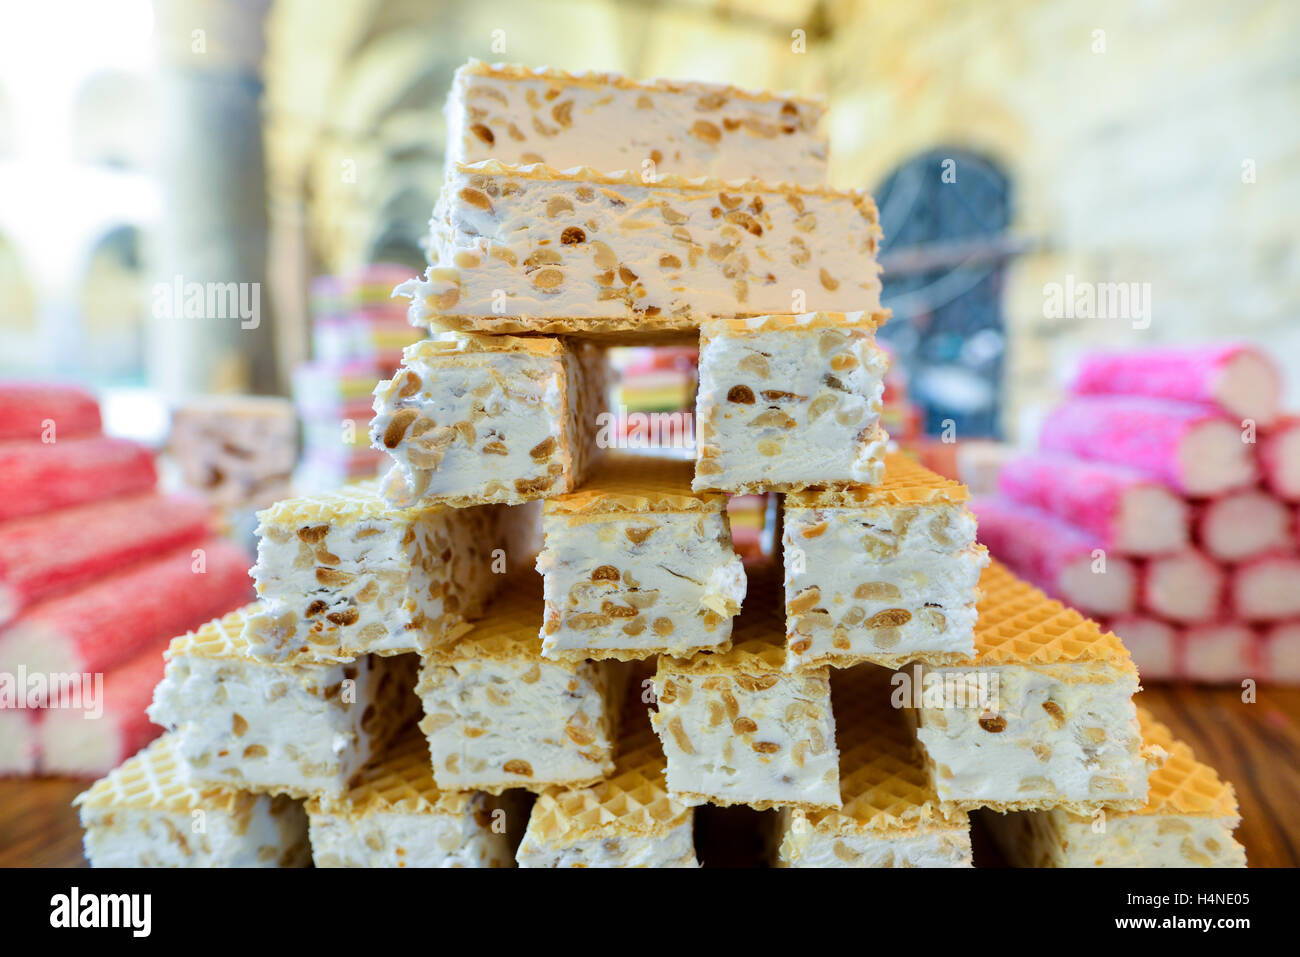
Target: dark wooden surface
1255,746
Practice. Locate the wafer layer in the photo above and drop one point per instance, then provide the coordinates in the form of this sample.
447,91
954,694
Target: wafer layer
148,813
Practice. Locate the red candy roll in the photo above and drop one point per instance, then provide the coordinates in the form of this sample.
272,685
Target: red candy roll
1154,645
1190,447
55,552
1125,510
39,478
1279,455
73,742
1238,379
1057,557
1219,653
1267,589
1279,653
1187,587
102,625
35,411
1243,525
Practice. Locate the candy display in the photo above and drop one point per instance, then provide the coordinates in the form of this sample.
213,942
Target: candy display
437,690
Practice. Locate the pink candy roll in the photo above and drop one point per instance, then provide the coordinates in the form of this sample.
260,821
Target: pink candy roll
1239,379
1190,447
1154,645
1267,589
1243,525
1187,587
51,553
111,621
33,411
19,742
76,742
40,478
1279,455
1279,653
1125,510
1057,557
1219,653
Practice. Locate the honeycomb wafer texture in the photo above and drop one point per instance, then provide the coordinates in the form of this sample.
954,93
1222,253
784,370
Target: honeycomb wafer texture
401,782
803,322
156,779
220,638
627,483
1019,625
905,483
883,781
633,801
1183,785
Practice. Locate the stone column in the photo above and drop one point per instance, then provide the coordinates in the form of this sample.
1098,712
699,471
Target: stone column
211,324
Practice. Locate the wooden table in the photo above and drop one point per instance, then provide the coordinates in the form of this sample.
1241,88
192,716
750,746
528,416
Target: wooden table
1255,746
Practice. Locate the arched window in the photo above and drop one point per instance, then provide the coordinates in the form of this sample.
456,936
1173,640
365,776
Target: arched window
113,308
945,215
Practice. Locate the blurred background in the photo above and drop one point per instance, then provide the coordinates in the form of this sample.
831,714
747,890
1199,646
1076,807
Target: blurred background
273,141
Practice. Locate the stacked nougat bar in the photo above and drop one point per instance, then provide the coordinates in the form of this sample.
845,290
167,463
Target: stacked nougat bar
1040,717
309,693
641,674
1187,821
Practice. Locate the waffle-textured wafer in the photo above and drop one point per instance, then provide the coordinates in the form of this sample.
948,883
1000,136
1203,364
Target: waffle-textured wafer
1182,784
498,715
520,115
148,813
788,402
541,250
343,574
905,482
1019,625
476,419
774,731
1187,821
636,564
636,483
394,815
891,815
1053,723
627,820
297,729
885,573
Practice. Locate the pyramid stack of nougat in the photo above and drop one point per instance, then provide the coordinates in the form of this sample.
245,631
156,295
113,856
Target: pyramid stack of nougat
445,675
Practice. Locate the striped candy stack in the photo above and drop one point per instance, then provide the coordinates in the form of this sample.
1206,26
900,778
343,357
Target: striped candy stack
97,572
358,333
1165,498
